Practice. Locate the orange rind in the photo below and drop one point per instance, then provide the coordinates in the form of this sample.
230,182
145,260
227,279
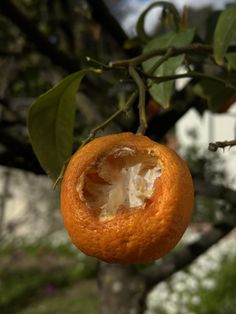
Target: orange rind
126,199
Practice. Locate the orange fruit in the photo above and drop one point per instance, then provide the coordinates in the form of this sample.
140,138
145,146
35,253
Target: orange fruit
126,199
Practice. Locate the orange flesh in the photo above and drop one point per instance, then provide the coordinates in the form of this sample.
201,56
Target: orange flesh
123,178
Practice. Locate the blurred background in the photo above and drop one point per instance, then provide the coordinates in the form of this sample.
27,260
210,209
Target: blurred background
40,270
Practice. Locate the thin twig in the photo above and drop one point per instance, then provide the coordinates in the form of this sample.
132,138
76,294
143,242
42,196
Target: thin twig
213,147
161,60
181,258
191,74
60,177
191,49
141,105
96,62
93,132
101,126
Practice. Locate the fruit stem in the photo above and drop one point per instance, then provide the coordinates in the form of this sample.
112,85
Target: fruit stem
141,105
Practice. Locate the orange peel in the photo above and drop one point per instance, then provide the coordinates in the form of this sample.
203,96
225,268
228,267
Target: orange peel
126,199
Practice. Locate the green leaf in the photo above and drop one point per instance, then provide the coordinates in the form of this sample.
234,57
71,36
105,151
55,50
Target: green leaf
225,32
51,122
231,59
216,94
167,6
162,92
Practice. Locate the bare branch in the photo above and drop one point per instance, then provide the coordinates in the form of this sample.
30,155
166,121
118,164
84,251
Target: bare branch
193,49
18,154
141,105
215,191
182,258
113,116
213,147
190,74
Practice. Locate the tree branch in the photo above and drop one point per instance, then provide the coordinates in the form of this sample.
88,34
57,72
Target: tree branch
215,191
213,147
182,258
191,74
141,105
112,117
43,45
198,49
163,122
18,154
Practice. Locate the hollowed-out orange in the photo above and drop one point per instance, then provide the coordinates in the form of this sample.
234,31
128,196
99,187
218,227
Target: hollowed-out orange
126,198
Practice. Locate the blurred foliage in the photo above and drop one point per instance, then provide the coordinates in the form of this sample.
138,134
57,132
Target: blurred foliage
221,298
210,168
207,286
78,299
37,271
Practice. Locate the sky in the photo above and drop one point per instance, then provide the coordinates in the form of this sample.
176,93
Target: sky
131,10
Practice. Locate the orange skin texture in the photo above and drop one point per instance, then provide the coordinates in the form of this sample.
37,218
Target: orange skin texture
131,236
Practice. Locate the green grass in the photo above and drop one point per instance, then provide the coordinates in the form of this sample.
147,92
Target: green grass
31,272
42,248
78,299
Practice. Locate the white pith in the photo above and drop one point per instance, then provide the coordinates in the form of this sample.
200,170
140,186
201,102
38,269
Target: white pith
124,178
